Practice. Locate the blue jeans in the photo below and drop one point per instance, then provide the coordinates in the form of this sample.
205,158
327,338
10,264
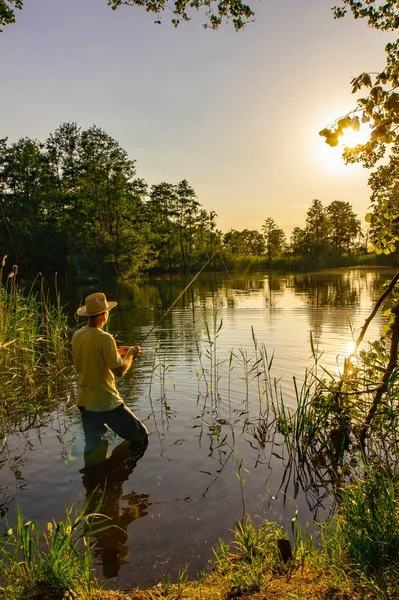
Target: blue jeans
120,419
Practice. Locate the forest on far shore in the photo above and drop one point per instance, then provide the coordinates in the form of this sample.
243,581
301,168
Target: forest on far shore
74,204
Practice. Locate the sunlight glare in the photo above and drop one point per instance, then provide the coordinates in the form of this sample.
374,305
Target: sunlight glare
350,348
331,157
352,138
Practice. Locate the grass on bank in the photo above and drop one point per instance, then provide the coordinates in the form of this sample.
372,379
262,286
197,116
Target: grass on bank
299,263
356,556
33,346
53,564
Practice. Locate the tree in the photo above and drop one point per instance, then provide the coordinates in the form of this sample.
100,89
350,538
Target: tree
110,204
274,238
160,209
316,240
186,215
344,227
76,197
29,231
297,246
216,11
7,11
380,109
384,222
247,242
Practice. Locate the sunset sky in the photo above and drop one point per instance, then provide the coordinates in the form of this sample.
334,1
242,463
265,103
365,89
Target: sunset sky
236,114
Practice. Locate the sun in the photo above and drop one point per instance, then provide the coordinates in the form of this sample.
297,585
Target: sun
331,157
352,138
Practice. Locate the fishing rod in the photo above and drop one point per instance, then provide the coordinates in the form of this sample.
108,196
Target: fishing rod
178,298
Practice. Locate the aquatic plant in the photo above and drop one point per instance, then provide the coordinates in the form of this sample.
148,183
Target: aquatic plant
33,346
346,421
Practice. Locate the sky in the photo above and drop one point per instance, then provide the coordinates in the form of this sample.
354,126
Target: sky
237,114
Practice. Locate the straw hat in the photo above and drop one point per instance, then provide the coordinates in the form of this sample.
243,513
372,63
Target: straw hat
95,304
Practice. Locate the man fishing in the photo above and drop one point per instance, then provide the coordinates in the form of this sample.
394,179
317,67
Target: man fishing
97,361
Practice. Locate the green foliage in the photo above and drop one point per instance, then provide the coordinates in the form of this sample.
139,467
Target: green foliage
384,17
216,12
253,543
184,234
317,229
247,242
7,8
33,344
380,110
75,204
384,221
235,11
362,540
58,561
329,231
274,239
344,227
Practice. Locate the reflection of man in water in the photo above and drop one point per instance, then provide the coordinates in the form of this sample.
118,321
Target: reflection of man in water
104,474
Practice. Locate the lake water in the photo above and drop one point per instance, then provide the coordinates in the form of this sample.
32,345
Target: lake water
206,463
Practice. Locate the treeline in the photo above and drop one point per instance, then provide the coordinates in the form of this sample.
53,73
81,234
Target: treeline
75,204
333,230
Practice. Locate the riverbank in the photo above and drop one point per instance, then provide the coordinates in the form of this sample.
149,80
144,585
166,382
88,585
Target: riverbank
353,556
254,570
303,264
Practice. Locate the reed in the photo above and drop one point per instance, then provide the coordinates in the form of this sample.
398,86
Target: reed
33,347
361,540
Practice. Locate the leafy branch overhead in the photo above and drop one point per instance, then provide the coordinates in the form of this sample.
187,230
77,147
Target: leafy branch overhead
380,107
7,8
216,11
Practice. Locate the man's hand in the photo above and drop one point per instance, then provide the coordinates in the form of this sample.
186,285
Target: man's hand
129,354
123,350
134,351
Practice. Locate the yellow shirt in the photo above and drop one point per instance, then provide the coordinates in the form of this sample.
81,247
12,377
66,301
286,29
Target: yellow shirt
94,355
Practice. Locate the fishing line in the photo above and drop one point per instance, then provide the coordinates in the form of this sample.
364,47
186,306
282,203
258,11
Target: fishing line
227,271
178,298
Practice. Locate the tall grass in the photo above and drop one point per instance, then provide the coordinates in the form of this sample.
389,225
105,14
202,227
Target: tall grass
362,540
33,346
55,564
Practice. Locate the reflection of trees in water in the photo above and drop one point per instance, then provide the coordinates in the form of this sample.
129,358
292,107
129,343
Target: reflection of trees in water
103,478
336,290
211,292
333,291
182,326
142,305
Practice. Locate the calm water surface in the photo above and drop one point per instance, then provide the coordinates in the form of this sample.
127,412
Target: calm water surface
202,405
